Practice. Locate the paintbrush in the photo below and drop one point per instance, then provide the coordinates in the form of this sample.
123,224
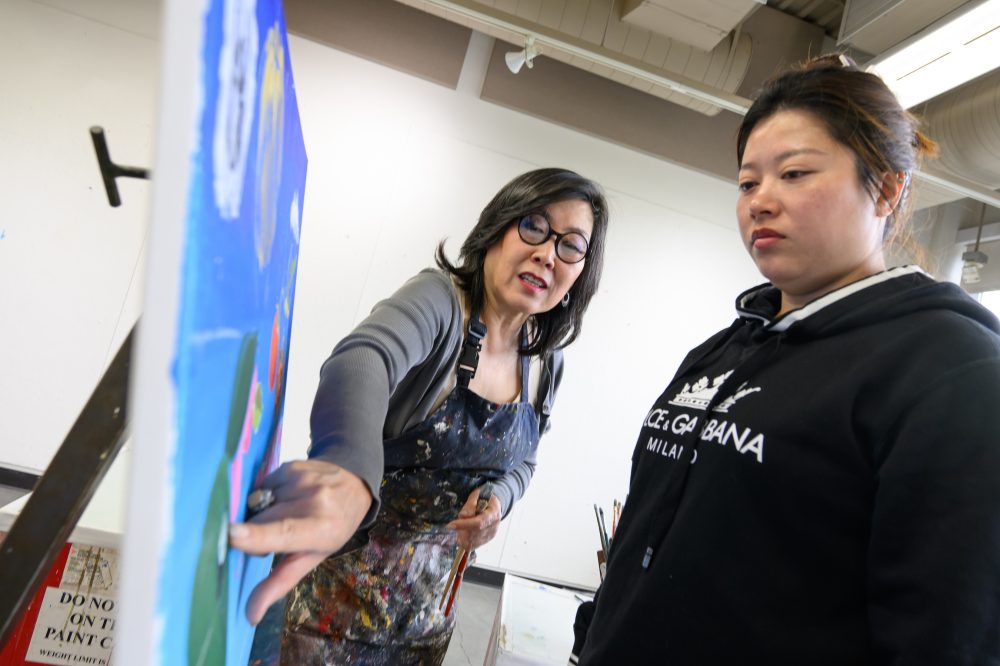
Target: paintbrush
462,557
601,534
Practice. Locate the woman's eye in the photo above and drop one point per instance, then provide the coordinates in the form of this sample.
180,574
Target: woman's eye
746,185
534,224
793,174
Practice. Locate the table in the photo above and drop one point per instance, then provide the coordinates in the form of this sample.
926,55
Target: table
533,625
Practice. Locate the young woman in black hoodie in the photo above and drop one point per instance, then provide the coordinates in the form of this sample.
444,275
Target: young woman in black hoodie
820,482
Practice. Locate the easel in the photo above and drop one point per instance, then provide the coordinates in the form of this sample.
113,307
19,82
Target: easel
78,467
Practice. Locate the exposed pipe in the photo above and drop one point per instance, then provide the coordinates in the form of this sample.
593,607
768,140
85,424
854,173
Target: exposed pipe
808,9
481,13
547,37
960,186
966,122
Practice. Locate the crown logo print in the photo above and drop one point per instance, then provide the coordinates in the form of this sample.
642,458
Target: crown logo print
700,394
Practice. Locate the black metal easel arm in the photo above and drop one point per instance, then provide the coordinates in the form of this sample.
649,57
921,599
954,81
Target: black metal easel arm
63,492
109,170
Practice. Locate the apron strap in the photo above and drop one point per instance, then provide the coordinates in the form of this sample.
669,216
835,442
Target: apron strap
468,359
525,365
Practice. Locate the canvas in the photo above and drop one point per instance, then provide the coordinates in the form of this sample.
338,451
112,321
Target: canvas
235,280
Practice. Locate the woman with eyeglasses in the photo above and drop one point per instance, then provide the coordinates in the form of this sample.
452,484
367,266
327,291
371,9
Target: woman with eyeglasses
819,484
445,387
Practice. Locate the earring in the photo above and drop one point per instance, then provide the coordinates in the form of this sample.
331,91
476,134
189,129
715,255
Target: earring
565,300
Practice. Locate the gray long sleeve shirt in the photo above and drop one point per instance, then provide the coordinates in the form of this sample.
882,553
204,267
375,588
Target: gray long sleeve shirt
387,374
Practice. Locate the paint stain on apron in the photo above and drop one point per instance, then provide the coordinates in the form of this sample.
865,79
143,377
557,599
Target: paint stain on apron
381,604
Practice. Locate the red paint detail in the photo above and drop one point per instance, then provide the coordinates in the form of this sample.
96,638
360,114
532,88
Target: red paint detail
323,623
272,365
458,579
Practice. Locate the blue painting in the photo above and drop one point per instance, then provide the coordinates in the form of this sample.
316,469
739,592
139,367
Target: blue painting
239,260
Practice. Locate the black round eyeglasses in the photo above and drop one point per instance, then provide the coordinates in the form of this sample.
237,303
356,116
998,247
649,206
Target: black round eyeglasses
571,247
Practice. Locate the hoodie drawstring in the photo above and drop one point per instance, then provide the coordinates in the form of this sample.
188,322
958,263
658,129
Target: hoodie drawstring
674,489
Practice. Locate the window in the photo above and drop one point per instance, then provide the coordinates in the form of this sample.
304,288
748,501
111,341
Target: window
991,300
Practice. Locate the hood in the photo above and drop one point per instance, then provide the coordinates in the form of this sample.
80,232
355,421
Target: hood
887,295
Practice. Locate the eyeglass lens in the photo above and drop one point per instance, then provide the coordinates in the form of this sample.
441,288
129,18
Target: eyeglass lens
534,229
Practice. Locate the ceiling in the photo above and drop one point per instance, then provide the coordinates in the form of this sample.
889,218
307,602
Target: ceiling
668,77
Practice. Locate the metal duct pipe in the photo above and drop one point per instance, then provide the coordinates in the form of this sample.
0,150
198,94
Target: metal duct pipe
966,124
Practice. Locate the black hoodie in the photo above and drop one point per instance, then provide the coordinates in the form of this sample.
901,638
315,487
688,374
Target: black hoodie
820,488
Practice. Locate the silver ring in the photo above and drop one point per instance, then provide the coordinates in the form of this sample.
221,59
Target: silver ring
259,500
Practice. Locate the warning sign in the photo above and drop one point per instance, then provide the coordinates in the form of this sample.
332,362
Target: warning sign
76,620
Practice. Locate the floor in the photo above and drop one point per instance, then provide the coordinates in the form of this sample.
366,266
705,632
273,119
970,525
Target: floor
476,609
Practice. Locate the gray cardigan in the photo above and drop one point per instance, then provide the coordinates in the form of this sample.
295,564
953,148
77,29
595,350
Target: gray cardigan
386,375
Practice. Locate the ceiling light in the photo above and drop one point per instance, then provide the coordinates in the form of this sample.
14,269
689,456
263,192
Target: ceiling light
959,47
526,56
974,260
972,263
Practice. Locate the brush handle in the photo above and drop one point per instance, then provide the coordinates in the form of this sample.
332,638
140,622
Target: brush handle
462,557
451,576
458,581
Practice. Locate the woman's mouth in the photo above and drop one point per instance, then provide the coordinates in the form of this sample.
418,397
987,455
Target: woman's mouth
764,238
533,282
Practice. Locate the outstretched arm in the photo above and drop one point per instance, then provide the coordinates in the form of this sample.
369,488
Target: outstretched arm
321,502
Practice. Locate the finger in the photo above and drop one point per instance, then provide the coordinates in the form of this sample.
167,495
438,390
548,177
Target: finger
323,504
486,534
475,522
473,540
474,532
465,537
287,535
469,508
299,477
469,539
285,474
342,504
283,577
482,538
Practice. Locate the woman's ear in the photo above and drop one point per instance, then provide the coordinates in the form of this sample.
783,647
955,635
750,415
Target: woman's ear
891,191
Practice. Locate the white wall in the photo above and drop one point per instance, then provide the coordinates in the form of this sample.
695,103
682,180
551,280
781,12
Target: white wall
67,259
396,164
70,264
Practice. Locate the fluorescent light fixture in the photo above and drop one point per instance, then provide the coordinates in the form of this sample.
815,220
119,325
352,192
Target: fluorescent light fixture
958,48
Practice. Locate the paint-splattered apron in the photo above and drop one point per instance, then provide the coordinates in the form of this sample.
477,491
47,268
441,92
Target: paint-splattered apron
381,604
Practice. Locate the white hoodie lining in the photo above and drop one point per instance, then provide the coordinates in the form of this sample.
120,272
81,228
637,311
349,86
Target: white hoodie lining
843,292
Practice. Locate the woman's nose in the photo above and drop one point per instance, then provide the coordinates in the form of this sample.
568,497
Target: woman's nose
545,253
762,203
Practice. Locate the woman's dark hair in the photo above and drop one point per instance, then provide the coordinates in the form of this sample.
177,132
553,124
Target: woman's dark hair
530,192
859,111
